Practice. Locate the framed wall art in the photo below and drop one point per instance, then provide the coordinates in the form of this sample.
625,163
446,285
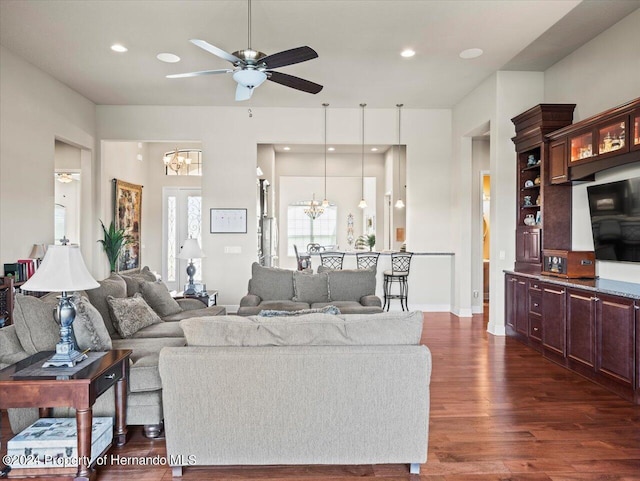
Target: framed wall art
228,221
128,216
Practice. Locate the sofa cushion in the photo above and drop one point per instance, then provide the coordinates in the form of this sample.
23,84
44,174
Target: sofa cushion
271,283
130,314
11,350
348,307
114,286
144,347
204,311
351,284
310,287
134,279
158,297
310,330
35,323
144,375
88,326
160,329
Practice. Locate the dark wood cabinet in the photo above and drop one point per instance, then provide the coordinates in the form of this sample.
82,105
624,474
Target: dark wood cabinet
581,327
615,328
558,170
554,319
593,333
536,194
606,140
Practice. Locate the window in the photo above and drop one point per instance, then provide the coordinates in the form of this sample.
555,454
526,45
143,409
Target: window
301,230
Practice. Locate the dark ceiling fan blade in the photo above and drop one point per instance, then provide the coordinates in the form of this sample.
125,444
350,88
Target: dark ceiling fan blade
217,51
197,74
289,57
294,82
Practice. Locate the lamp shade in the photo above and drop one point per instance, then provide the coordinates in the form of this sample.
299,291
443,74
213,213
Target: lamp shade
37,251
191,250
62,269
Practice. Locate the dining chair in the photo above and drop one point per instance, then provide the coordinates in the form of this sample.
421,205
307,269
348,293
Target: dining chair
303,260
314,248
367,260
332,260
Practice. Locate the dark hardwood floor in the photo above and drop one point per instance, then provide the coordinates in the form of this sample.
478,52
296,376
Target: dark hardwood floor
499,411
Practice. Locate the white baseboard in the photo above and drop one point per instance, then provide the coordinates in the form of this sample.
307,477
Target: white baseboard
424,307
466,312
496,330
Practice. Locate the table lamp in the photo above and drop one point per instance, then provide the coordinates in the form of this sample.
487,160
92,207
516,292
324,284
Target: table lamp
37,252
191,250
63,269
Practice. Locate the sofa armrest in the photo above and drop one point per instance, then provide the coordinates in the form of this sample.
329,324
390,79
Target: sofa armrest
250,300
371,300
190,304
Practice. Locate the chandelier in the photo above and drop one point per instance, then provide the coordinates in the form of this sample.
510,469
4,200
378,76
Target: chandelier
314,210
175,160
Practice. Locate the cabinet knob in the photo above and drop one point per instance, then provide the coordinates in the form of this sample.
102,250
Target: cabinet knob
535,304
535,329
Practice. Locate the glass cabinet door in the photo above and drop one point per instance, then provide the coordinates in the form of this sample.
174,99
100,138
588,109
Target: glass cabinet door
635,120
612,136
581,146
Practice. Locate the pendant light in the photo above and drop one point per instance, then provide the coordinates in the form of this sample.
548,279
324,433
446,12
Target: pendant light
399,202
363,203
325,202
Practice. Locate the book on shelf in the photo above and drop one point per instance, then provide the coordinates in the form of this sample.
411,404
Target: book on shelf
30,267
13,270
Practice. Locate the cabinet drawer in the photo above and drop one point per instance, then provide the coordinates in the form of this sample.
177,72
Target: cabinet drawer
535,327
108,379
535,302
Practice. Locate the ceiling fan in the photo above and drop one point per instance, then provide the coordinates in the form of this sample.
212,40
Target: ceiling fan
252,68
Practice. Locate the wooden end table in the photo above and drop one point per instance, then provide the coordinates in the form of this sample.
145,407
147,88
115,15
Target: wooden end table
80,391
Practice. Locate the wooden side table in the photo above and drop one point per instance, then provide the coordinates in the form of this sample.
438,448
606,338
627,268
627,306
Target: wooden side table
80,391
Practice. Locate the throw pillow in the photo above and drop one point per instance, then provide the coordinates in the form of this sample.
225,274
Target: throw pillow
35,323
158,297
114,286
88,327
134,279
130,314
311,288
351,284
271,283
333,310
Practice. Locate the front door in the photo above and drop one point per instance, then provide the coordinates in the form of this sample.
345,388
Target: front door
182,218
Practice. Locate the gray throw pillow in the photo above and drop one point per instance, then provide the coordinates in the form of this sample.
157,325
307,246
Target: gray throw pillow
88,327
311,288
134,280
351,285
114,286
35,323
158,297
130,314
271,283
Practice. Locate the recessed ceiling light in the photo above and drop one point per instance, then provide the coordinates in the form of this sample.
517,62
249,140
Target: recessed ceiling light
286,148
168,57
331,149
374,149
408,53
116,47
471,53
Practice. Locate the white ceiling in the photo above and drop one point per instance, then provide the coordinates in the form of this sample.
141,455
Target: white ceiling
358,43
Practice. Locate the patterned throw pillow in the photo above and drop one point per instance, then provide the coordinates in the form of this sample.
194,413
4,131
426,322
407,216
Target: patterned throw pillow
322,310
88,327
130,314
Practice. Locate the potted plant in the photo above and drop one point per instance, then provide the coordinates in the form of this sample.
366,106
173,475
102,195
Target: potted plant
366,241
113,243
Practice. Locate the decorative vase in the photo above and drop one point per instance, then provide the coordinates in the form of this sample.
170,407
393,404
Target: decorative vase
529,219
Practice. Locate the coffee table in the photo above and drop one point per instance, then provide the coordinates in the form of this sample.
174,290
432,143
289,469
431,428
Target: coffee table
79,391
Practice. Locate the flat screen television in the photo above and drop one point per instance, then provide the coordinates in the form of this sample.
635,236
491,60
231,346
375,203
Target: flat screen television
615,220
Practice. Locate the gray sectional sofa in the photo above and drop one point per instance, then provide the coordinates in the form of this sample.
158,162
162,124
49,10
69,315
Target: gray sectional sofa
270,288
35,330
310,389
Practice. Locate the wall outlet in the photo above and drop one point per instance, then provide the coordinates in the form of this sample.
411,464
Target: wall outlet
233,250
502,255
475,294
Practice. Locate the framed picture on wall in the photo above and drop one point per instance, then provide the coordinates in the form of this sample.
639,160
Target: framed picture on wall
228,221
128,216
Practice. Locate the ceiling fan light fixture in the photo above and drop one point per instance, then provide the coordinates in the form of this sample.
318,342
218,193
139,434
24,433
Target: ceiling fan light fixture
250,78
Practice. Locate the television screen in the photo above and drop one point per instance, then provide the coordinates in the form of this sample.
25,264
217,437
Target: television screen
615,220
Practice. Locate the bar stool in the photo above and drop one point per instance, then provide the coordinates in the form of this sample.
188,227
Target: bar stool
332,260
400,263
367,260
